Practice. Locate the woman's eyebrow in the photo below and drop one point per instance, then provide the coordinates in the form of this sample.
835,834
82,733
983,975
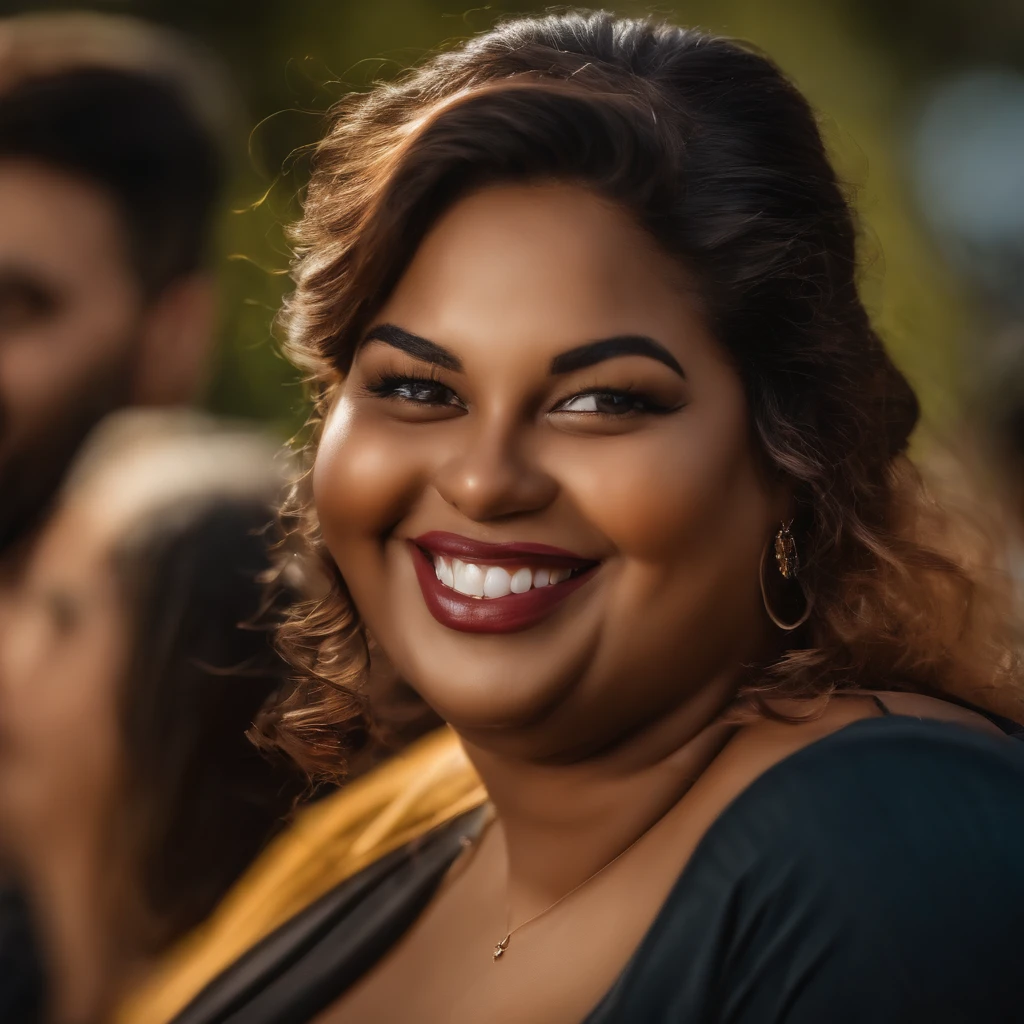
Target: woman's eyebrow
419,348
608,348
578,358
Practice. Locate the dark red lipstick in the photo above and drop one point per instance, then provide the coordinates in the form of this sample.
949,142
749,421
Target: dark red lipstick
451,545
506,614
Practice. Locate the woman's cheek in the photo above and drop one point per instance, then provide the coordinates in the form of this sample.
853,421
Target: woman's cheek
365,476
646,494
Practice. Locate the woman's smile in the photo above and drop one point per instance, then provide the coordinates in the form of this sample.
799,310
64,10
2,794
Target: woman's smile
479,587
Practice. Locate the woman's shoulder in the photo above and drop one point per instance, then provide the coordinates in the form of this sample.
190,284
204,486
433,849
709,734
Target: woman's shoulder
873,874
888,789
934,762
874,744
879,770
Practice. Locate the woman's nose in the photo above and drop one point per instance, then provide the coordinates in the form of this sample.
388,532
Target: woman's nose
494,476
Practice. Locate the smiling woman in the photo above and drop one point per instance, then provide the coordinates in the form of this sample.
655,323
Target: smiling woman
611,465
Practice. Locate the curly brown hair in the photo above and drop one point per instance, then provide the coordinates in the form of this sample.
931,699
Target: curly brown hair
719,157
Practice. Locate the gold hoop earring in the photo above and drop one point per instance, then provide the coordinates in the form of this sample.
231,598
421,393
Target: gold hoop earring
788,561
786,557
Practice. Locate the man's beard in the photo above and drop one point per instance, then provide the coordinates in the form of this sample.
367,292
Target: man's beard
32,475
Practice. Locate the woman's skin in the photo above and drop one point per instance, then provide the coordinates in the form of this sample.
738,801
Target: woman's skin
597,722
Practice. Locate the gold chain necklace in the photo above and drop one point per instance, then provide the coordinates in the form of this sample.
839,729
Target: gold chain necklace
499,949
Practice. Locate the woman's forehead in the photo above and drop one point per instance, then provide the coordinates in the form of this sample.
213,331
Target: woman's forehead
538,269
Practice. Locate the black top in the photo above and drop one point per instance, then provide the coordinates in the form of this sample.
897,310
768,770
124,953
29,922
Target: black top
21,970
876,877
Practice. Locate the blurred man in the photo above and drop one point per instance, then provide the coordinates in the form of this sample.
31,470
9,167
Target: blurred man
110,174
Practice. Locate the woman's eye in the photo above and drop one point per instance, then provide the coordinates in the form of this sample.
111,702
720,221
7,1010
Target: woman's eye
611,403
420,391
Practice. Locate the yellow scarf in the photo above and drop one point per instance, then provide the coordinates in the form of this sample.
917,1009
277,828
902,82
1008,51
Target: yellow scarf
427,784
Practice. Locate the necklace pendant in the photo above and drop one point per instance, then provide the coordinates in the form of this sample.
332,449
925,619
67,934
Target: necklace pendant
500,948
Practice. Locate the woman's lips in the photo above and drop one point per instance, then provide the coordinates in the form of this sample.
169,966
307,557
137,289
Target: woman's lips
437,542
494,588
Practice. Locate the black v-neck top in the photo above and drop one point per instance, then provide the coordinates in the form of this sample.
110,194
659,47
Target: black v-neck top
873,877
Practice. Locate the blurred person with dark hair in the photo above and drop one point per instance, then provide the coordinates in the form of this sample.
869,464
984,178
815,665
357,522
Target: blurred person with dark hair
111,167
130,670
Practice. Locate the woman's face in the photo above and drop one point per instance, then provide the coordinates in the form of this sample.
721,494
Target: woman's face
63,647
538,479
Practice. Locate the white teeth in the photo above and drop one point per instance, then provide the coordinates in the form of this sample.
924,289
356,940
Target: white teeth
497,582
492,581
444,572
469,578
522,580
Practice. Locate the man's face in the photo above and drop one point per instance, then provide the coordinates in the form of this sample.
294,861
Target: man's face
69,314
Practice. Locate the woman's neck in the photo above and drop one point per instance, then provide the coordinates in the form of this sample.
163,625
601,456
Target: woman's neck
87,962
562,823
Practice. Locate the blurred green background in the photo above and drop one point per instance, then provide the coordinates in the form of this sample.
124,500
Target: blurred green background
869,66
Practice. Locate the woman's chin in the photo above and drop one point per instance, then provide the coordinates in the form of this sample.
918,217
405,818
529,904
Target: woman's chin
496,691
502,702
481,680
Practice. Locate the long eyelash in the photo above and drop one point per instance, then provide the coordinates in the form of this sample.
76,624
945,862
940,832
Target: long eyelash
654,408
382,383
